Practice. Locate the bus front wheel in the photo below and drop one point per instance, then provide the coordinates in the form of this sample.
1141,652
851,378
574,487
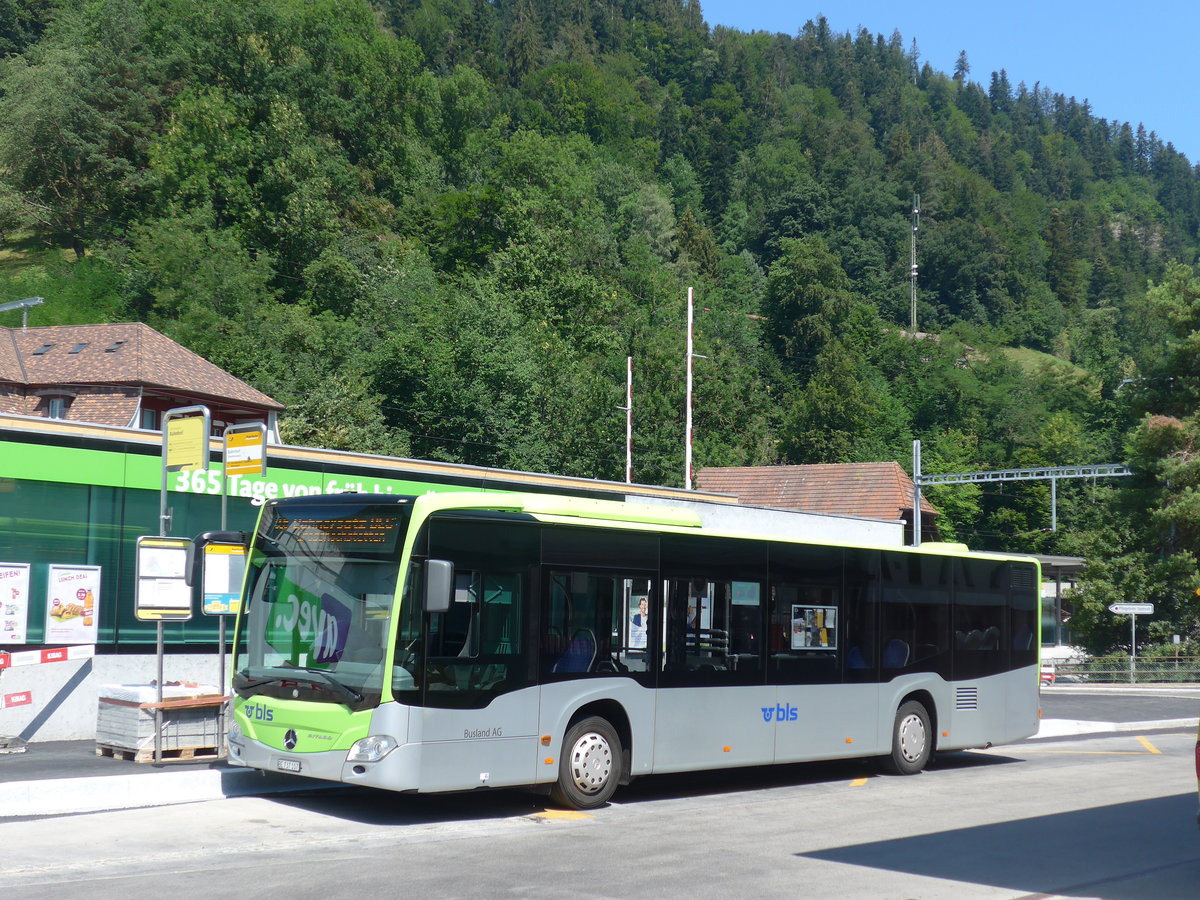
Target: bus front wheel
912,740
590,765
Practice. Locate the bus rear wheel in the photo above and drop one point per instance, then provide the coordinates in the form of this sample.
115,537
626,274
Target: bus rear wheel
912,740
590,765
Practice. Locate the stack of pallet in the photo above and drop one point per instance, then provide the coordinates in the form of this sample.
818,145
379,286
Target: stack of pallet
190,727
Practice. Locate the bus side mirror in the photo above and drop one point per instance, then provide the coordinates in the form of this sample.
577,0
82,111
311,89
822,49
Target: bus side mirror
222,537
439,585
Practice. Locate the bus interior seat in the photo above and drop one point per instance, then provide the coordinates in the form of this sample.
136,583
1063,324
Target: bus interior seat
580,653
895,654
991,639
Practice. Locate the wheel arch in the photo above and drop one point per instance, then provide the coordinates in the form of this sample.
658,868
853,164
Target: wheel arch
926,700
613,713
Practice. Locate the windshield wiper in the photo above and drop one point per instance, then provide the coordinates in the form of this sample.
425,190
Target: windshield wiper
247,681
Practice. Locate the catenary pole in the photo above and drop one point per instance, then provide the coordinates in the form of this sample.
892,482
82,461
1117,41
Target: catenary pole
687,446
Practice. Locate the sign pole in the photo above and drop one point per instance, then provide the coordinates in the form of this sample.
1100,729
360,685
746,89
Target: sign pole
243,452
1132,646
183,450
1133,610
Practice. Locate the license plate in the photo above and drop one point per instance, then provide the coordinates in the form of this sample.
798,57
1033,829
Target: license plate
288,765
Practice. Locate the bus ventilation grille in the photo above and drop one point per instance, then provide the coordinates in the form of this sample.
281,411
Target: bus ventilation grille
1022,577
967,698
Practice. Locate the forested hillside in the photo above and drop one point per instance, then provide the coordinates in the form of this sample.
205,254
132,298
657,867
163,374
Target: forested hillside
438,228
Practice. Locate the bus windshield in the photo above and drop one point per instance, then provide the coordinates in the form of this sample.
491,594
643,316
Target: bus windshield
319,596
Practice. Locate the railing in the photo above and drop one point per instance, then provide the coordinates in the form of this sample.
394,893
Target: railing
1123,670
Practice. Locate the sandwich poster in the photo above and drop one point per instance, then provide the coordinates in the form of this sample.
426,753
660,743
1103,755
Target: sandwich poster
72,604
14,602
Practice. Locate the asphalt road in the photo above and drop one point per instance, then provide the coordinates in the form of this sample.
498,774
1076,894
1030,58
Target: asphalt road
1120,703
1109,816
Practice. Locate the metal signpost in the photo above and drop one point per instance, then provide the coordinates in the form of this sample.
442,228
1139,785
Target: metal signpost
184,449
163,595
243,452
1133,610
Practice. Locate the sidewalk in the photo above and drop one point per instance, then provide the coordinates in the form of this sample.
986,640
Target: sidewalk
58,778
61,777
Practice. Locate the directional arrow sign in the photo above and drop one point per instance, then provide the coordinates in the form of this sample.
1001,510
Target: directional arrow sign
1132,609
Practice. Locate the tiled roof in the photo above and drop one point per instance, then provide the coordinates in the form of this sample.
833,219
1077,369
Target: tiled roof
10,359
872,490
123,353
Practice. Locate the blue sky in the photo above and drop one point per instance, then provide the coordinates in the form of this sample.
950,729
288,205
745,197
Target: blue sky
1134,62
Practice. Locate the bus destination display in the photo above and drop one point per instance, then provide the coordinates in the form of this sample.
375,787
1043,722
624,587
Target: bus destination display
358,533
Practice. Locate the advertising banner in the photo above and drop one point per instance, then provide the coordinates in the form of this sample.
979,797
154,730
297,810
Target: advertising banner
224,568
72,604
14,602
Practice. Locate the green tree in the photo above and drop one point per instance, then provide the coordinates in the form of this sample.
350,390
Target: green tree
76,114
846,412
807,300
962,67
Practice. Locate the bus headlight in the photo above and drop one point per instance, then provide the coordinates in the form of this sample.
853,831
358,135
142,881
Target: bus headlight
372,749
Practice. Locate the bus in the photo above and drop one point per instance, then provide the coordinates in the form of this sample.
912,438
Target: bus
449,642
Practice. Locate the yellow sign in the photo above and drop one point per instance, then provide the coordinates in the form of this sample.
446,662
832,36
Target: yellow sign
244,451
187,444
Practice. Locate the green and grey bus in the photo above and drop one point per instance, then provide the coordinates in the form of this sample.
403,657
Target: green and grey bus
453,641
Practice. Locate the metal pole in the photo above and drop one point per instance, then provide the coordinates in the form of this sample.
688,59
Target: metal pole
1132,646
687,448
163,519
916,516
629,420
1054,504
1058,637
221,619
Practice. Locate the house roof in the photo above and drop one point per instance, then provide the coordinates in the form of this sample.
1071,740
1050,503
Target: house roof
873,490
122,353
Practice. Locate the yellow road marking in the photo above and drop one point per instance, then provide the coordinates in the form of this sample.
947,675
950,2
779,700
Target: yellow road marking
566,814
858,782
1149,746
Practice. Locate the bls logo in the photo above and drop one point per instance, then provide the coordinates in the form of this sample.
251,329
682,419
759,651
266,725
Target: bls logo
785,713
258,713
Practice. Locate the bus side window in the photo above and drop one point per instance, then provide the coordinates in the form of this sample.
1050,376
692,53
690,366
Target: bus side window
582,625
916,613
1024,606
860,615
631,627
806,615
476,649
981,640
